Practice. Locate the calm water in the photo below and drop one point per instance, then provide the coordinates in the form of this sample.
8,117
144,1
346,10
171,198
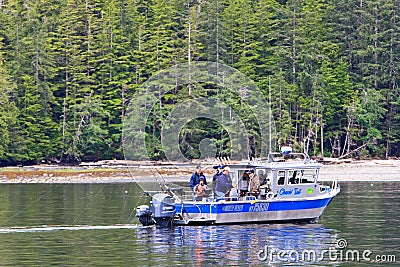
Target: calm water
94,225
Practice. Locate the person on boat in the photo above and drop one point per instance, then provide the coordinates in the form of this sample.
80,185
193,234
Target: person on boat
254,186
262,178
293,179
244,183
219,171
224,183
195,178
200,190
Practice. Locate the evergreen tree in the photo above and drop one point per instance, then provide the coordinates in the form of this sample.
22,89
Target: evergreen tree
8,110
32,69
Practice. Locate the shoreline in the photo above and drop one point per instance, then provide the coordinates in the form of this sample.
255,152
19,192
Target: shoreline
371,171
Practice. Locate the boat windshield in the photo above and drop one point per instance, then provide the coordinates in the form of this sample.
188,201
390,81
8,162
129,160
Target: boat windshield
307,176
264,175
295,177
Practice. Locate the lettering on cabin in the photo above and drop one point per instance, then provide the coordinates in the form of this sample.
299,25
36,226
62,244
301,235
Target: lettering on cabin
288,192
230,208
285,192
259,207
297,191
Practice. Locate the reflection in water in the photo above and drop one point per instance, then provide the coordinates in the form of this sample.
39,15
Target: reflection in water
94,224
233,244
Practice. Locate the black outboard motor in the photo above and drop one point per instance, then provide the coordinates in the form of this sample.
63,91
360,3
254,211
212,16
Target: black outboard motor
143,213
163,209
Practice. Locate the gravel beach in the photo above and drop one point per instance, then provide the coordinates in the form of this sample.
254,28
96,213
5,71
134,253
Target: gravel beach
373,170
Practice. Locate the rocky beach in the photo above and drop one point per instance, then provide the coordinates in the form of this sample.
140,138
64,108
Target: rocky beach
122,171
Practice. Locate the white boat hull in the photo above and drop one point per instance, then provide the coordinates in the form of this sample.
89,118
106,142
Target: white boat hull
255,211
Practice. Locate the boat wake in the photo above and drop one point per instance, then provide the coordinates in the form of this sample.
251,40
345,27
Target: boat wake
48,228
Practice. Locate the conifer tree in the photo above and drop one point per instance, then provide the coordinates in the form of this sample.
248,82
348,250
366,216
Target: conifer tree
8,111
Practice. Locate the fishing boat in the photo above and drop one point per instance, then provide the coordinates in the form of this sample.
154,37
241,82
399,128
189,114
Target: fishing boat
289,192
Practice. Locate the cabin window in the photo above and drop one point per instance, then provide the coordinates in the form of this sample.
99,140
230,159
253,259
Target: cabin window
264,176
294,177
308,176
281,177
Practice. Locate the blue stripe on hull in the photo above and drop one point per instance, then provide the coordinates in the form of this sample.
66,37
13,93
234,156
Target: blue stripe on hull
258,206
298,205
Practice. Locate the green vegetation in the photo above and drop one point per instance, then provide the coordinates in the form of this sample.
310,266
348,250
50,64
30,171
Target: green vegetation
68,70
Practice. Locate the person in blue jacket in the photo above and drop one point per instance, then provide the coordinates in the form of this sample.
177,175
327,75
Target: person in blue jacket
195,178
224,183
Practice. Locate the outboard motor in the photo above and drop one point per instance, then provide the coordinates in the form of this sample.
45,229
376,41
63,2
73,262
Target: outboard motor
163,209
143,213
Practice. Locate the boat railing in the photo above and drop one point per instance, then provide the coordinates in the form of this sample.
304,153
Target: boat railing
279,157
274,157
334,185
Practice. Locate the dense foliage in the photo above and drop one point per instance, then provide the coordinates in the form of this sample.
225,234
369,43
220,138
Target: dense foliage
69,68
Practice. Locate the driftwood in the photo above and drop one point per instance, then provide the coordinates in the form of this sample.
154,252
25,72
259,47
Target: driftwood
355,150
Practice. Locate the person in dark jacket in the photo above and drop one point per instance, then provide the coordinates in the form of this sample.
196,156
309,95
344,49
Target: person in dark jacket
220,170
195,178
224,183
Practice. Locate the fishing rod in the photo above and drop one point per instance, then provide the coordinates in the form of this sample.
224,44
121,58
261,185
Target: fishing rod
163,184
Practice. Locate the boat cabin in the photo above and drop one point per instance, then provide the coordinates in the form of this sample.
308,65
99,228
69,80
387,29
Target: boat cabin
279,179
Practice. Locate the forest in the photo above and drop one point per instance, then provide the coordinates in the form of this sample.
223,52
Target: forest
68,70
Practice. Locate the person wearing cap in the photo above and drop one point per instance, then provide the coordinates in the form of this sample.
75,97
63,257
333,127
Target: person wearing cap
224,183
200,190
195,178
219,171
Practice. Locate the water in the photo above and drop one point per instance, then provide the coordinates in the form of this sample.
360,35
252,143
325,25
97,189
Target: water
94,225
